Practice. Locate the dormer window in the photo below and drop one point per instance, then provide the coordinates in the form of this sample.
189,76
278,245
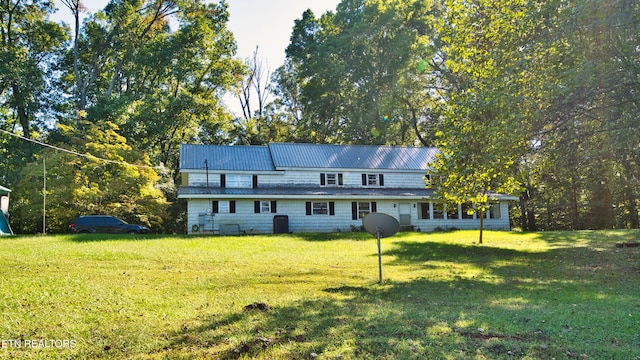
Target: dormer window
331,179
372,180
238,181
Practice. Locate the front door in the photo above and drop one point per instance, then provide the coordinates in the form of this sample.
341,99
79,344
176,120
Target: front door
405,214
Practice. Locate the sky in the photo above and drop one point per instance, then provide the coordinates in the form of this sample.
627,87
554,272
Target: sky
263,23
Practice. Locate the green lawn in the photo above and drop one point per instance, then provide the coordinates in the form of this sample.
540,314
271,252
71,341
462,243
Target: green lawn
550,295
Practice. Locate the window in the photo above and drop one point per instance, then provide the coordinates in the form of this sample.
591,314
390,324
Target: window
466,207
320,208
361,209
331,179
452,212
238,181
494,212
438,210
372,179
264,207
425,212
224,207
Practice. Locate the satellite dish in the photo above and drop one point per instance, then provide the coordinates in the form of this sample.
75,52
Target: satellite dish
380,225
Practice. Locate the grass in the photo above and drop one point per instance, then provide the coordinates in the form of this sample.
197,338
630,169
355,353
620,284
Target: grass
520,295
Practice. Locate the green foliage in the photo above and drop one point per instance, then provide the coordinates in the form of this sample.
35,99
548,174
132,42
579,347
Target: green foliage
524,295
541,96
88,185
481,139
140,78
536,97
160,82
352,75
587,121
28,45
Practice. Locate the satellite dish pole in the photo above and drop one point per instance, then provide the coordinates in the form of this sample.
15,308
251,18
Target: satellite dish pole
380,225
379,234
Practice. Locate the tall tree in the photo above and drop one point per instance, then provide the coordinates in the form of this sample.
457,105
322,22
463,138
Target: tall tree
357,71
587,127
256,82
113,178
483,139
28,43
262,120
559,79
157,69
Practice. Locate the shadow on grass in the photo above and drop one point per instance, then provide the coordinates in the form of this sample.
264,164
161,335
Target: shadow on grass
83,238
596,238
597,257
355,236
514,304
568,300
416,320
418,252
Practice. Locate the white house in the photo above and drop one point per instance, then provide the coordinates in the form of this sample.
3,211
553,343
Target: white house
293,187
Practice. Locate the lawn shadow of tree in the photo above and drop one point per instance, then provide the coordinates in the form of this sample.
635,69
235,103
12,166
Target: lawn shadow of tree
87,238
394,320
523,305
333,236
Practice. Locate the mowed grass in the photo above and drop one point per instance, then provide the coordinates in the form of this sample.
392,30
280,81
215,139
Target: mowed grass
551,295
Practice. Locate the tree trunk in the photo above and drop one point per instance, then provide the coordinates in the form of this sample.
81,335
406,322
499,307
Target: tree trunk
523,212
531,220
528,213
634,221
21,108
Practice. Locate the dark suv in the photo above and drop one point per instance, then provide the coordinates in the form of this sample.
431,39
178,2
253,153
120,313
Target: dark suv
105,224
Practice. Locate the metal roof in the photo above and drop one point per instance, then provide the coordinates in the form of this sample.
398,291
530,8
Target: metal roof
300,155
222,157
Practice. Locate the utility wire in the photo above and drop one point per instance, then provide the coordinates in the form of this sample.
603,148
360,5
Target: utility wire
88,156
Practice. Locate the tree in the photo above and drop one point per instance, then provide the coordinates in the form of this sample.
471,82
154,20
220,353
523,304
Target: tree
28,43
262,121
158,70
586,127
482,139
473,166
255,82
358,73
113,178
558,78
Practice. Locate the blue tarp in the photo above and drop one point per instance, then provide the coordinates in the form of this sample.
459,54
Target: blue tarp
5,228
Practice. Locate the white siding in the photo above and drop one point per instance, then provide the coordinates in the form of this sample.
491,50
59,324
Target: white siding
250,222
295,209
463,224
351,178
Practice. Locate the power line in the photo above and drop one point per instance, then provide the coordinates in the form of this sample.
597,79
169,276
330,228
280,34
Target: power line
88,156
